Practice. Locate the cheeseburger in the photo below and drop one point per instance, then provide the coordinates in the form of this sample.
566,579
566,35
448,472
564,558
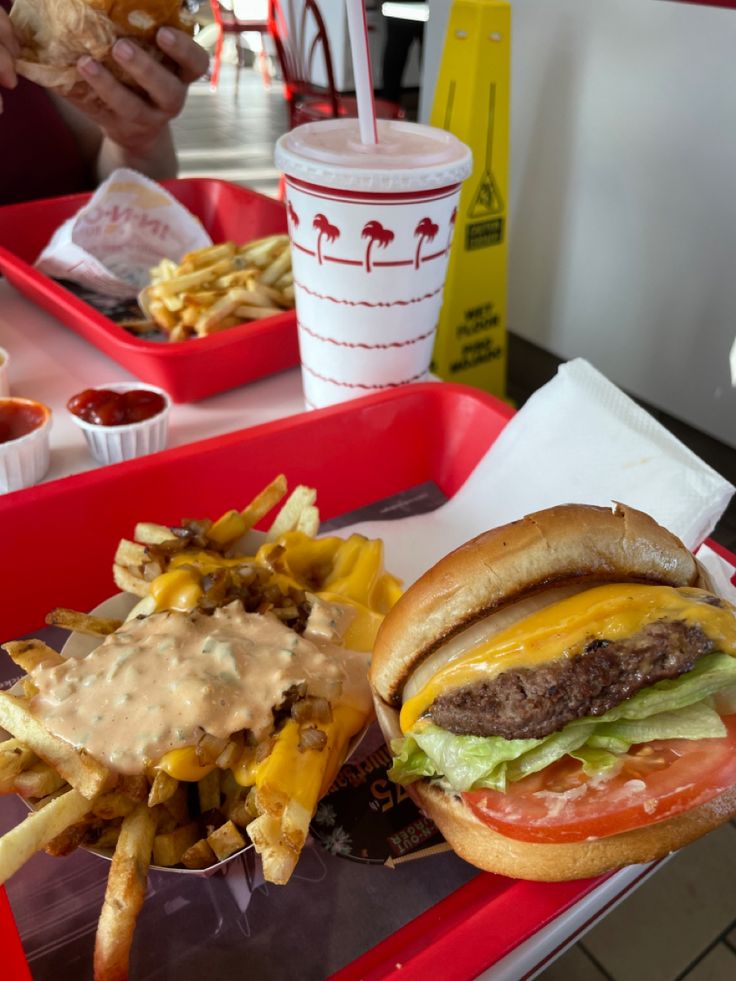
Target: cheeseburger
560,694
54,34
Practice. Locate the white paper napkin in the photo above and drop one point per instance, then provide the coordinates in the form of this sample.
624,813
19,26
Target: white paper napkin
578,439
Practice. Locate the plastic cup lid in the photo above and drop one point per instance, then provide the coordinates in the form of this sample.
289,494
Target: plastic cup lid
408,157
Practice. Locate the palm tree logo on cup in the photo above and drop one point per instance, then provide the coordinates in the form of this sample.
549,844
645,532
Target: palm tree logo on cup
325,230
376,234
292,214
426,229
453,219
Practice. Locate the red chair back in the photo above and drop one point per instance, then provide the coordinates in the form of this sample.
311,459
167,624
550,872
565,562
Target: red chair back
300,36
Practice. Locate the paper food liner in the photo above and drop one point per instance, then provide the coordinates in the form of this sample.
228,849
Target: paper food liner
130,224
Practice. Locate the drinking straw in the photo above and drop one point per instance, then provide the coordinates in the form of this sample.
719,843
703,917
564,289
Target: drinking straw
358,30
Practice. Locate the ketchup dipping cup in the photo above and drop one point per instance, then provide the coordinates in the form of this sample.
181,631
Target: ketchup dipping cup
4,383
370,228
114,443
24,443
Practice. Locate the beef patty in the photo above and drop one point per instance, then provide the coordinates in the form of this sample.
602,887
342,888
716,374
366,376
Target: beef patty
529,703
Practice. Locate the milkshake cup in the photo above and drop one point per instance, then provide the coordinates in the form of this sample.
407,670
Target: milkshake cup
370,228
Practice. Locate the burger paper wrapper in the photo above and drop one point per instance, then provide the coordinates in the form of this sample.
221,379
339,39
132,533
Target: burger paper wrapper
579,439
129,225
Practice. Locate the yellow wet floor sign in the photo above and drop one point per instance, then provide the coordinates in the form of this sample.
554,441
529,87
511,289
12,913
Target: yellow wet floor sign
472,101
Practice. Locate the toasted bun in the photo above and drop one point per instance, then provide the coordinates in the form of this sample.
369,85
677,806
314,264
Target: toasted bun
561,546
54,34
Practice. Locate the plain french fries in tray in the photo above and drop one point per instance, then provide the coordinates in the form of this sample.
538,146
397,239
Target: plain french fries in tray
217,287
206,708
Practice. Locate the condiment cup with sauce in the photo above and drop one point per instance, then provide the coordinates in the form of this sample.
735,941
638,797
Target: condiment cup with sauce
4,381
24,443
122,420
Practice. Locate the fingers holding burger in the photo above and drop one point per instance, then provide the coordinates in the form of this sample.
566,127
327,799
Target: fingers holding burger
55,34
560,694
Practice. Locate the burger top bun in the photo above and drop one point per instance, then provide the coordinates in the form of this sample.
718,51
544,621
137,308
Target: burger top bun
54,34
561,546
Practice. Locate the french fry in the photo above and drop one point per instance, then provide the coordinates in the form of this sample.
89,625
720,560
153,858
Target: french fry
197,296
263,502
248,312
225,841
199,856
162,788
14,759
39,828
83,623
77,767
126,890
39,780
129,582
279,859
208,789
288,517
112,805
28,654
276,269
148,533
168,849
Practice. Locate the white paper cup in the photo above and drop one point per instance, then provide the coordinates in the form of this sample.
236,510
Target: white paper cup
25,460
4,379
113,444
370,230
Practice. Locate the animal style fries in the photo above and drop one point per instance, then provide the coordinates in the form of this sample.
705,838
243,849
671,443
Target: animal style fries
219,711
218,287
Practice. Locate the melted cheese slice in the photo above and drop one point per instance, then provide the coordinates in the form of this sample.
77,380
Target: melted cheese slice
563,629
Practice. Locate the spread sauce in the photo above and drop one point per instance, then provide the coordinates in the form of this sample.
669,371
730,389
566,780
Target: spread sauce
156,683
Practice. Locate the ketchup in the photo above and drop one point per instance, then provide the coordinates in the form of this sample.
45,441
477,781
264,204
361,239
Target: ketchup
103,407
18,418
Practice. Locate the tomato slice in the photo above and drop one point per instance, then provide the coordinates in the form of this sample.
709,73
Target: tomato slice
655,781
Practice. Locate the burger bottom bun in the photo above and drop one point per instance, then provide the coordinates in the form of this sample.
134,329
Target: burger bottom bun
487,849
492,851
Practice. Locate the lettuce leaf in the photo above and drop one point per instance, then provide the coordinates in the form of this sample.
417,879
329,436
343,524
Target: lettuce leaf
681,708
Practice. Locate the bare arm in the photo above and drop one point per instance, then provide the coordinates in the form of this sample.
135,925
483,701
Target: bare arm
134,126
117,126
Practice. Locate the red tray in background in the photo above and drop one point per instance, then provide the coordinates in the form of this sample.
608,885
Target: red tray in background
188,370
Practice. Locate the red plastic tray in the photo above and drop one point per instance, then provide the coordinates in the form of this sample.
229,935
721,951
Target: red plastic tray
58,540
188,370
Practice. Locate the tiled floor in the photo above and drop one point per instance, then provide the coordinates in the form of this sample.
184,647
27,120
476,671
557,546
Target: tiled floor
681,924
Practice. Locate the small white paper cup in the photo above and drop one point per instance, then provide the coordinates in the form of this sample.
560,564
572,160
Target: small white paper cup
25,461
4,380
113,444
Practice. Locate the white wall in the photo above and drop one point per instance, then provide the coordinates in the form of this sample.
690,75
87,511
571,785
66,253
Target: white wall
623,193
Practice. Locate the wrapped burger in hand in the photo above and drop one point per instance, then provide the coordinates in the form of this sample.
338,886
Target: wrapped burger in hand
54,34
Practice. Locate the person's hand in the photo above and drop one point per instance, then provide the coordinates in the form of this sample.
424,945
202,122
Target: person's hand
9,51
133,120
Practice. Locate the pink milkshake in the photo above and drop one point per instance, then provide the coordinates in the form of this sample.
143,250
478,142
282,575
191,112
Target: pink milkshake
370,228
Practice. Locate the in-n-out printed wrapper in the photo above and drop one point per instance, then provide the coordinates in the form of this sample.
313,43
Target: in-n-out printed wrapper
369,270
130,224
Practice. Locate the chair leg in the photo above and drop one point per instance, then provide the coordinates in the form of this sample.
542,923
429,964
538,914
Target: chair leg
217,60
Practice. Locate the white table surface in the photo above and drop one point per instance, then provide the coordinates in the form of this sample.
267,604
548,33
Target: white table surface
50,363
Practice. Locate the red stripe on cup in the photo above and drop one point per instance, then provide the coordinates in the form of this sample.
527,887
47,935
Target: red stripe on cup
360,385
367,303
366,347
399,197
